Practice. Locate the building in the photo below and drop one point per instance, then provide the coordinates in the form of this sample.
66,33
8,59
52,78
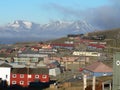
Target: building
97,69
25,76
29,53
47,51
73,36
95,47
54,71
21,75
85,53
25,60
5,70
61,45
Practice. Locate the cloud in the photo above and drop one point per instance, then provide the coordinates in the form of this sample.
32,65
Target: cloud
104,17
66,13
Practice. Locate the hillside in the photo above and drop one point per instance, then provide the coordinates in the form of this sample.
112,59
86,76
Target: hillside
112,37
110,34
59,40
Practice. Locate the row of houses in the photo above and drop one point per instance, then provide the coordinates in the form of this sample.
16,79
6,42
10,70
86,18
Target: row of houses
63,45
23,76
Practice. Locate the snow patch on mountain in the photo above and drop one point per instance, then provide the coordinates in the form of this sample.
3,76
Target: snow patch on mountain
15,24
27,24
26,29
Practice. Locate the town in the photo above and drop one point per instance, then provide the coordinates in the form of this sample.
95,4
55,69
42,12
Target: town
74,62
60,45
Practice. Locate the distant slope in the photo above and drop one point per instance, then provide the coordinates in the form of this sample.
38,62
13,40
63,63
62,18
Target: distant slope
59,40
110,34
112,37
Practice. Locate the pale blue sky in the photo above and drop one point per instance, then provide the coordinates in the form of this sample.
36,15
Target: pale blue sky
43,11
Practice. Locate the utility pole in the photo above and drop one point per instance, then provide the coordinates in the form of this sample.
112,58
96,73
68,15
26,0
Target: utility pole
94,81
84,82
28,64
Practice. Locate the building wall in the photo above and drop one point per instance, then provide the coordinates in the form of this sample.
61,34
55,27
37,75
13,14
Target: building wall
54,71
26,79
25,60
97,74
86,53
32,55
5,74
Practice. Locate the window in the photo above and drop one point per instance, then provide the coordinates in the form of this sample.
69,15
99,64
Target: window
44,76
36,76
104,74
21,82
14,76
94,53
21,75
6,76
13,82
29,82
29,76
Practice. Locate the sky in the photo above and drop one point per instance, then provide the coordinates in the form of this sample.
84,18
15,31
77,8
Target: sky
103,14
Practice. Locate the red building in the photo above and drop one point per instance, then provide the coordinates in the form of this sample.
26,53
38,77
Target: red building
23,76
97,46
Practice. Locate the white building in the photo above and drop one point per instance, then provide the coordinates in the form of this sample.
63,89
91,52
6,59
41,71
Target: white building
5,72
84,53
54,71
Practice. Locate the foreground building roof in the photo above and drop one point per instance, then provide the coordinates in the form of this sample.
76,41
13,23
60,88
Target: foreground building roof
98,67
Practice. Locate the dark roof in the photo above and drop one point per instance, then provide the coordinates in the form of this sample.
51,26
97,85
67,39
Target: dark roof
5,65
30,70
28,51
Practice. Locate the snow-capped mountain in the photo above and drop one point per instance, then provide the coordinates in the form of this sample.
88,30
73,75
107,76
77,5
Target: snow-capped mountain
26,29
21,25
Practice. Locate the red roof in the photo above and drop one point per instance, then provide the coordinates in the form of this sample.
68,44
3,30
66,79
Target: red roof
98,67
97,45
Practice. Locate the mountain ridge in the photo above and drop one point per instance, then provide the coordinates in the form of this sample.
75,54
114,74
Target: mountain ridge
55,29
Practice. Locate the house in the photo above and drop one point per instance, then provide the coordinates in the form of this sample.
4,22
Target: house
5,70
69,42
53,64
73,36
47,51
44,45
34,48
54,71
97,69
30,53
85,53
25,60
21,75
62,45
95,47
84,41
25,76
